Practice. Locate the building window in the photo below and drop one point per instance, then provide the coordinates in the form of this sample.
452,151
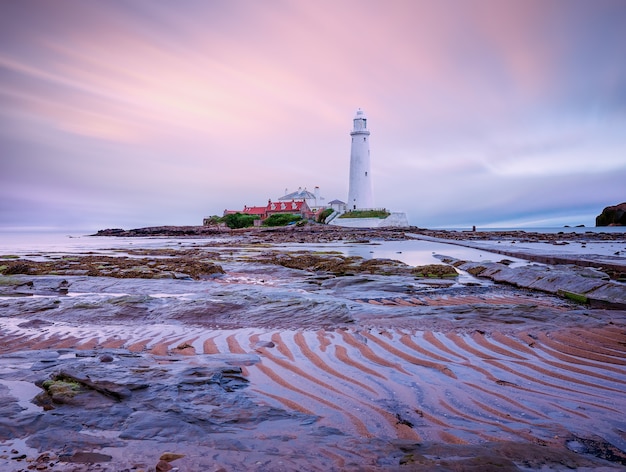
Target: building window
364,139
365,173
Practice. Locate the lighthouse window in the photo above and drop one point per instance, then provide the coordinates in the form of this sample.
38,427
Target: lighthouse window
364,139
365,173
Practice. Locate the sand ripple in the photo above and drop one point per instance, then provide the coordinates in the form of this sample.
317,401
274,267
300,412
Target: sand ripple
423,385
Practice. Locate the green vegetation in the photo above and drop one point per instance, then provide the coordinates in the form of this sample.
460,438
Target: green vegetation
9,256
366,214
62,388
325,214
212,220
281,219
239,220
232,220
576,297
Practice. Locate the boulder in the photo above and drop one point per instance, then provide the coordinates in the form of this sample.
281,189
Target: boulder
612,216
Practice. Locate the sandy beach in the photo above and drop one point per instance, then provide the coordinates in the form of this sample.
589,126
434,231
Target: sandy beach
283,350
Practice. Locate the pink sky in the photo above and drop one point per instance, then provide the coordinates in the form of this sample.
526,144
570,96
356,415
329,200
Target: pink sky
128,113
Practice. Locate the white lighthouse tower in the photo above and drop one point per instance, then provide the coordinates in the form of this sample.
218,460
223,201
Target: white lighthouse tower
360,189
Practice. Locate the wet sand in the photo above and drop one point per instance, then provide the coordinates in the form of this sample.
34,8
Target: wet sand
332,368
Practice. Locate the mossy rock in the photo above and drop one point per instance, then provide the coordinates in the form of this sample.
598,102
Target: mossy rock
435,271
61,386
120,267
383,267
17,267
476,270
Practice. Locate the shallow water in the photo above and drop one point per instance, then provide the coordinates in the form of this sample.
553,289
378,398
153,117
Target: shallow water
22,243
411,252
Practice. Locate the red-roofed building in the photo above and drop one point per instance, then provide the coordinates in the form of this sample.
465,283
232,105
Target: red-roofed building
257,211
295,207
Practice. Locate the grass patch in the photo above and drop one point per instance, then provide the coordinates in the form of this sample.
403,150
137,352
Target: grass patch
9,256
365,214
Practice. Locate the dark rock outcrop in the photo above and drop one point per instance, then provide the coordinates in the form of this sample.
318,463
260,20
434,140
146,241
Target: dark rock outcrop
612,216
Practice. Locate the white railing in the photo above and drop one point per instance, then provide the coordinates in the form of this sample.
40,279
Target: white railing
332,216
367,209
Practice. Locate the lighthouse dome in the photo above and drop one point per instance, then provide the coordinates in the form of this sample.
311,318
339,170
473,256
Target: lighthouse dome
360,115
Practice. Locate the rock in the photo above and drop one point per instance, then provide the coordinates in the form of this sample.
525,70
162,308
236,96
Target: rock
181,276
36,323
583,285
163,466
170,456
62,387
87,458
612,216
63,287
596,446
184,349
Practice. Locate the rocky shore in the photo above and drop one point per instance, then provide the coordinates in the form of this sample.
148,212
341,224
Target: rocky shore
324,233
227,351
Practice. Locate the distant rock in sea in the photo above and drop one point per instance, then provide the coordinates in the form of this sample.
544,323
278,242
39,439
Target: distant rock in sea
612,216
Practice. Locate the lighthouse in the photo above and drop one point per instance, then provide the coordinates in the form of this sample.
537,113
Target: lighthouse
360,189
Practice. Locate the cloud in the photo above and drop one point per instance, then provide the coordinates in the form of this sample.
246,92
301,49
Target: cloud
155,112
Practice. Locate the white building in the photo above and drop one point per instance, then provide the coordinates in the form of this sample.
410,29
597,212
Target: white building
314,200
360,189
337,205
